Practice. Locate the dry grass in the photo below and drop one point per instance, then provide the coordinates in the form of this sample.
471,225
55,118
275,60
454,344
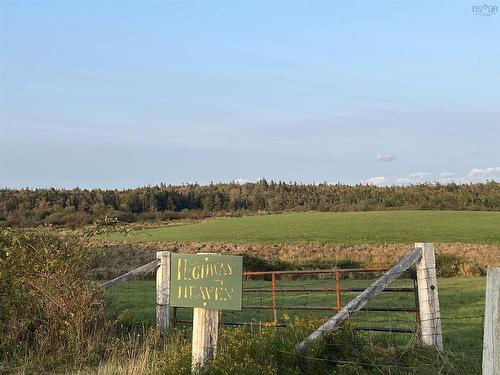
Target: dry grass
121,257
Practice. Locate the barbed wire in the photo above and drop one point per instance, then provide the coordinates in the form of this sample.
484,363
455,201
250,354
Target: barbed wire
359,363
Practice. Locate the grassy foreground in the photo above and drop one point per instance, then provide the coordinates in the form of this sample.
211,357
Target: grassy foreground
461,302
334,227
54,318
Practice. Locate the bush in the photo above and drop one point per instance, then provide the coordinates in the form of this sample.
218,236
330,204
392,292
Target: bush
271,351
50,306
451,265
243,351
260,264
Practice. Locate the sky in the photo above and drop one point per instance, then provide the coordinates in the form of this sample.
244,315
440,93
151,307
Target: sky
120,94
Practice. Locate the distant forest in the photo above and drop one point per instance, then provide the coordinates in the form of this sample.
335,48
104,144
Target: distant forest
78,207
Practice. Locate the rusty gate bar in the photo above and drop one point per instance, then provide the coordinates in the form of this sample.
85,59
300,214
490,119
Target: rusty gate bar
337,289
330,308
291,290
307,272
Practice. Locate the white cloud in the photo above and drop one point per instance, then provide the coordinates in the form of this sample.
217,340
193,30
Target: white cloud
418,175
378,180
241,181
384,157
446,174
485,172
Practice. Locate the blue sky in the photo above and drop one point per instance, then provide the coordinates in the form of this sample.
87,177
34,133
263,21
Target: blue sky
120,94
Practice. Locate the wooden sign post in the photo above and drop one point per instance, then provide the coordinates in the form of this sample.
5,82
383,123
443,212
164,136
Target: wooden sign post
207,283
205,334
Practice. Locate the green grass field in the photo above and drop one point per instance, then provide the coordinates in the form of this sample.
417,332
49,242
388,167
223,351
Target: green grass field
461,299
334,227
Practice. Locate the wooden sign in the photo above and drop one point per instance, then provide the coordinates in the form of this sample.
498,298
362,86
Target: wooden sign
208,281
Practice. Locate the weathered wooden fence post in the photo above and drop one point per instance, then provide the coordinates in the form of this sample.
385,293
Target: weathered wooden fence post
491,340
428,300
163,291
205,333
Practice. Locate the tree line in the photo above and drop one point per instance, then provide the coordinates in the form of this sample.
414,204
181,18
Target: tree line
78,207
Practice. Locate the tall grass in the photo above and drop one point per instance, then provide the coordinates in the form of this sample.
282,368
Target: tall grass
270,351
452,259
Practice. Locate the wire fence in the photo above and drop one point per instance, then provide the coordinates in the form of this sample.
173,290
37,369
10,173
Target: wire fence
270,298
316,293
391,314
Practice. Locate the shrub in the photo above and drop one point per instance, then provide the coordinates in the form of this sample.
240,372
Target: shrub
451,265
50,305
260,264
243,351
270,351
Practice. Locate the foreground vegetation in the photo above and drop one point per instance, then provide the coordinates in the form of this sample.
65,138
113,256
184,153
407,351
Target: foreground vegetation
267,351
271,351
51,307
55,318
334,227
77,207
